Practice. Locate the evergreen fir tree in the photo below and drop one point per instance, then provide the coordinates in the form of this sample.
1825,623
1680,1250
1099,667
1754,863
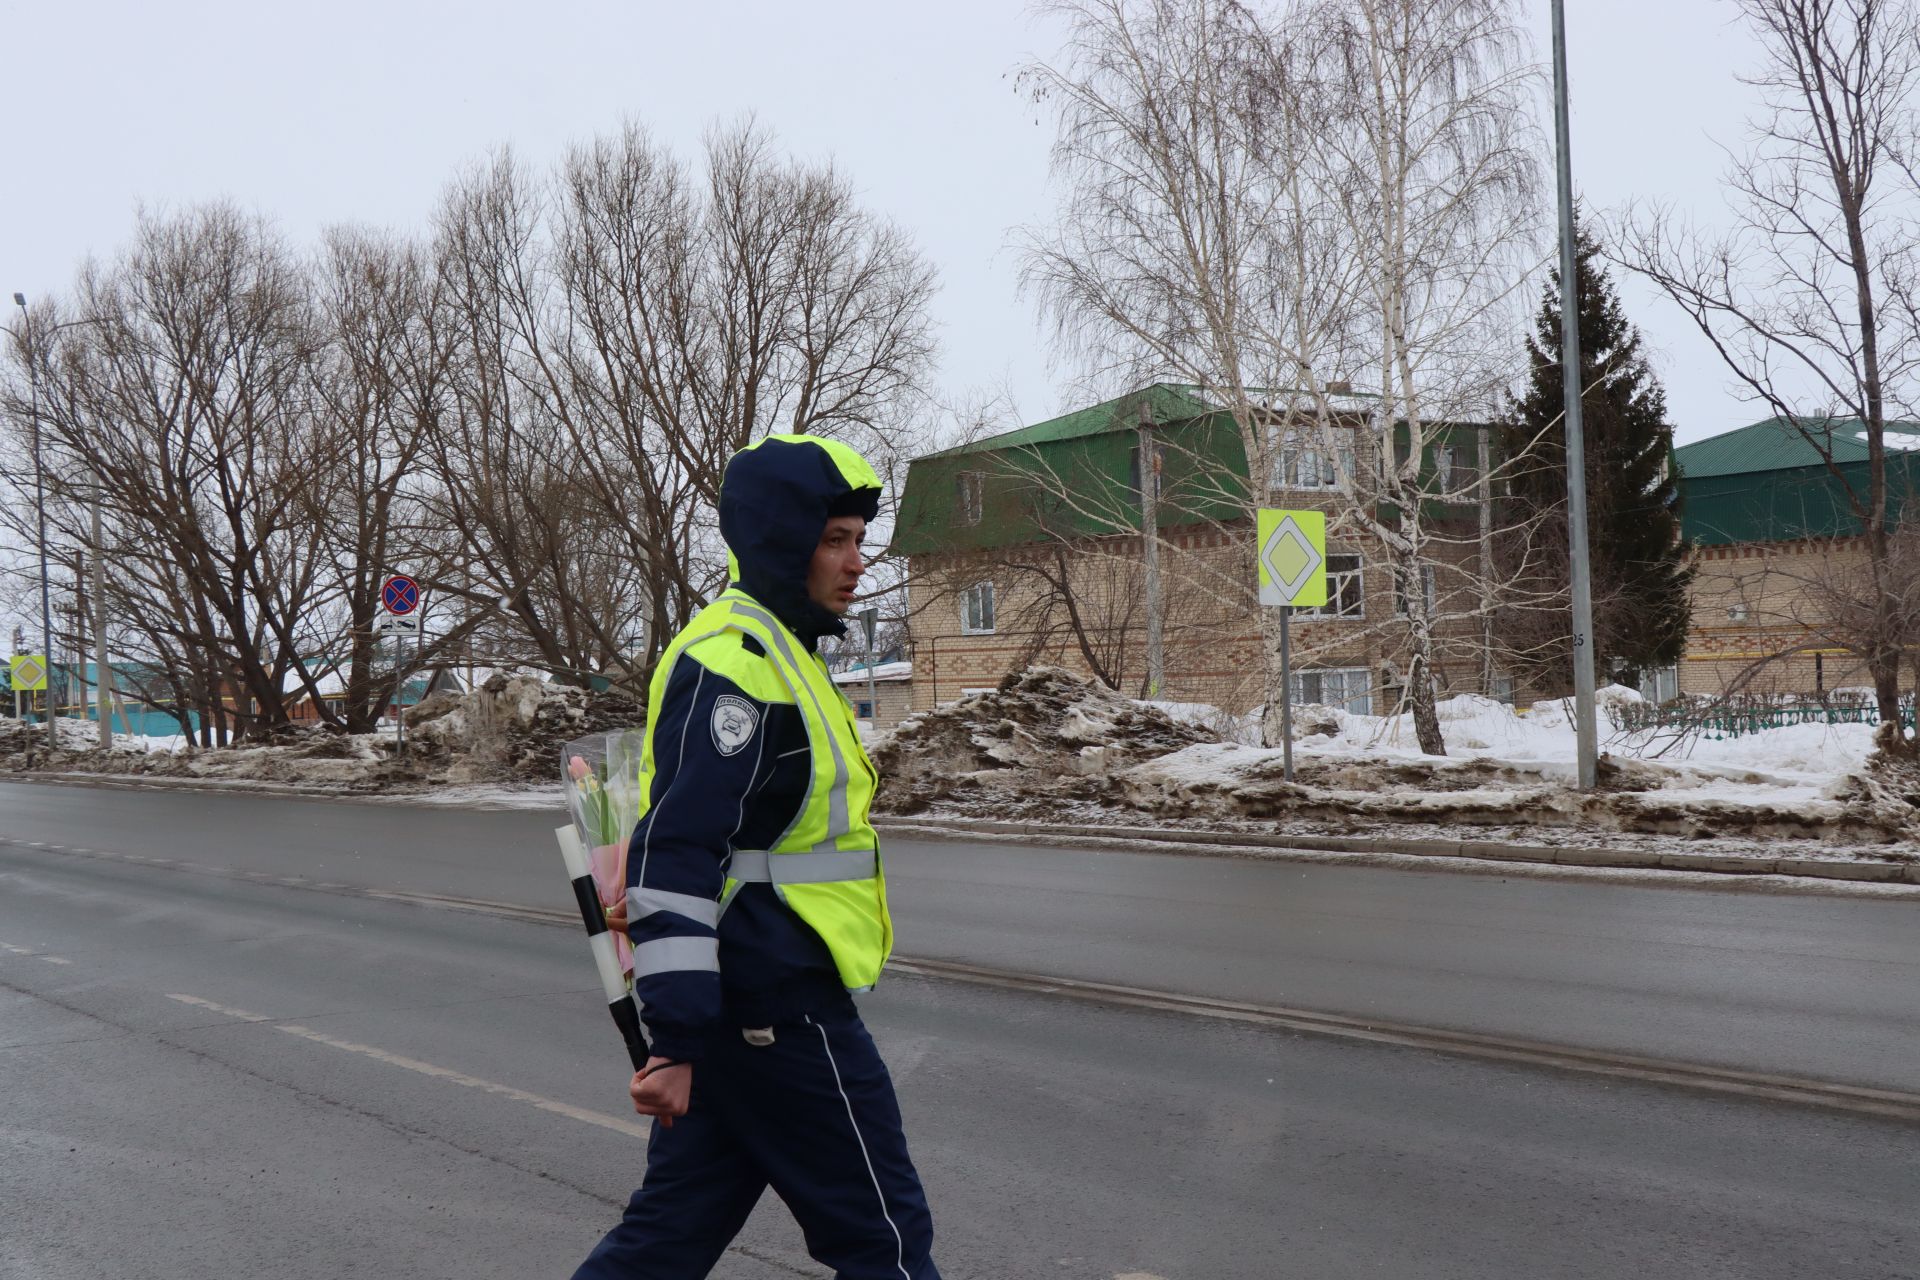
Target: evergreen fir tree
1639,570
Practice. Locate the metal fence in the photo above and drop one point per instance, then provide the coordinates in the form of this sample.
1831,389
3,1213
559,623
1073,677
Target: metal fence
1733,717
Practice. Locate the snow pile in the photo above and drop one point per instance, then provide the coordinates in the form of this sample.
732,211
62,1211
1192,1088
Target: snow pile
508,730
1048,746
1043,731
1509,769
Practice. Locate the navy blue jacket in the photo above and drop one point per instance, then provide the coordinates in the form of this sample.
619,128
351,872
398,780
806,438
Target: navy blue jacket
715,791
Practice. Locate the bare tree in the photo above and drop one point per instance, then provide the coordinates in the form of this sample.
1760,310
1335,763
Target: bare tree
620,335
1809,299
1278,209
183,399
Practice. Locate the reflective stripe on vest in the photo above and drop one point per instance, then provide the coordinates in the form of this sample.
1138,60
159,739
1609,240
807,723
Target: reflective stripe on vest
822,866
837,823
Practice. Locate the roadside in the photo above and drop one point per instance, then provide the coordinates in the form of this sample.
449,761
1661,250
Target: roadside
1786,868
1049,758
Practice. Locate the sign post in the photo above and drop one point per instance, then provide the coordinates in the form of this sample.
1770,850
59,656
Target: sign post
1292,566
869,621
28,674
400,594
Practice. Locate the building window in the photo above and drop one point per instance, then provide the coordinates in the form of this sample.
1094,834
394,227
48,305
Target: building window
972,496
1346,596
1502,690
1454,469
1349,688
863,710
1304,459
976,610
1400,589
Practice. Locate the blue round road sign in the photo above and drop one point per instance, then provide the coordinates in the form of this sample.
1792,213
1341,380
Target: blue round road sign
401,594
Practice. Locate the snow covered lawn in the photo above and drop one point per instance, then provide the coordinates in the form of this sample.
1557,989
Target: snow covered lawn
1047,747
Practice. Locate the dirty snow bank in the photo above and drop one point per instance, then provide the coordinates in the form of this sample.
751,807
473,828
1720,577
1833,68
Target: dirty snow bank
1046,745
509,730
1042,731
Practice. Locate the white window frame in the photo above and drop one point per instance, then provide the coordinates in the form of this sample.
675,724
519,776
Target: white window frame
976,609
1353,693
1301,461
1357,575
972,495
1455,467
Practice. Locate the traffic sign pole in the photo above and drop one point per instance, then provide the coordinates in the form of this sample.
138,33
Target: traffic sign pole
1291,568
1286,694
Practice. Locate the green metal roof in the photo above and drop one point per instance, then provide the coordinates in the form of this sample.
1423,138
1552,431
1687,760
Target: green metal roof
1780,443
1168,401
1018,478
1768,483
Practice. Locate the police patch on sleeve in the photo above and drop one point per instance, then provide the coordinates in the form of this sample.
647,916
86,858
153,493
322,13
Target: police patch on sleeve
733,723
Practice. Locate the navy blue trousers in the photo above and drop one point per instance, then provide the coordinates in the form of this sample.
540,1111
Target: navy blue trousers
812,1115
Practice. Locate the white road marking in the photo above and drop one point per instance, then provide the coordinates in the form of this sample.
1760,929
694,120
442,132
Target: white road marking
1138,1275
55,960
633,1128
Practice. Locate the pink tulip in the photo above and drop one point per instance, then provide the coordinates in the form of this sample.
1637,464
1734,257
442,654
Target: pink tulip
579,768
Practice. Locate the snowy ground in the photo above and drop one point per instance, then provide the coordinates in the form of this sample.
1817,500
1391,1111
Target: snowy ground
1048,748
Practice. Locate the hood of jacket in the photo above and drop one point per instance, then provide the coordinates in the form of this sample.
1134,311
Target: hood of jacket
775,499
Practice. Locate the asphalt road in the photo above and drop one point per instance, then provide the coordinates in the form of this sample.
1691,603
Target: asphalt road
211,1076
1826,988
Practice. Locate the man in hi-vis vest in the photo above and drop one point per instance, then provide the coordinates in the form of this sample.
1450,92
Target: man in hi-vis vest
756,904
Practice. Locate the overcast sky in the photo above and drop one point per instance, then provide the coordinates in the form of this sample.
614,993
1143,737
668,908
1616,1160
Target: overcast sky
359,112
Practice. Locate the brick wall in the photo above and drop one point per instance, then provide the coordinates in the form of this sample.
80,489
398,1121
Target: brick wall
1212,625
1761,619
895,700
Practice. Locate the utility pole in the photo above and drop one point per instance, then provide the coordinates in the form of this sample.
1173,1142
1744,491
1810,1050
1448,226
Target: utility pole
1587,738
40,512
869,623
1150,551
102,674
1483,458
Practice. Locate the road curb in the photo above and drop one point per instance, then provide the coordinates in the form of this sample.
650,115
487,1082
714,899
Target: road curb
1174,840
174,782
1213,842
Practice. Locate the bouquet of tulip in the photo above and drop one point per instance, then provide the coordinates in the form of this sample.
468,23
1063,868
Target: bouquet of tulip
602,780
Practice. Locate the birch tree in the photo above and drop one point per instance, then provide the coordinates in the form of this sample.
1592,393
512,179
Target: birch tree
1286,209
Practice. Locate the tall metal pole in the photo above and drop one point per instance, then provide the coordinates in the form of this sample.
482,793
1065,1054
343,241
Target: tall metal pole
1286,693
102,676
1150,552
1585,735
40,513
870,625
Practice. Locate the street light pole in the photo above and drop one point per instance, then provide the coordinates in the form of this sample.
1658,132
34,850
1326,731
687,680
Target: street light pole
1585,737
40,512
102,678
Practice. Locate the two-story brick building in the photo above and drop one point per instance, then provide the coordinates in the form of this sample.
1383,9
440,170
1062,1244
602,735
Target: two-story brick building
1027,547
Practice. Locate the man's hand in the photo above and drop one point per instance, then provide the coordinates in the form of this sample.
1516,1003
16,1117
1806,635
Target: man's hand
661,1089
616,914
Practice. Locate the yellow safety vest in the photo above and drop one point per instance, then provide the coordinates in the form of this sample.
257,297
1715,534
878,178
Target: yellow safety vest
826,865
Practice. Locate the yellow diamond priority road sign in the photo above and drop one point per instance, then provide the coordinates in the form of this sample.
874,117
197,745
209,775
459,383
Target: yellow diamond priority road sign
1293,557
29,671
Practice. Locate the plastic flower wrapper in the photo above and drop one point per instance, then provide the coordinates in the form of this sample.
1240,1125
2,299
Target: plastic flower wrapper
601,774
